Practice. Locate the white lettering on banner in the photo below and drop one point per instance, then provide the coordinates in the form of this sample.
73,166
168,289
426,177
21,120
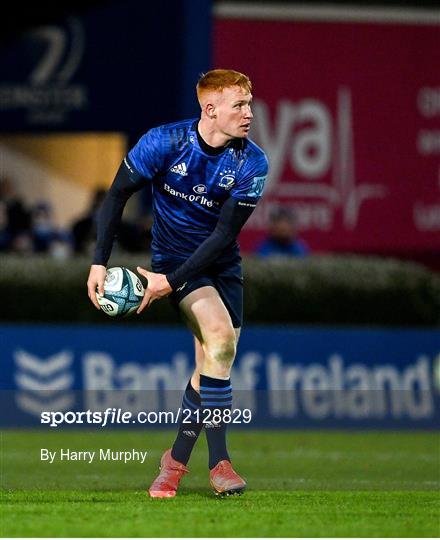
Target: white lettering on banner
332,389
356,391
305,137
428,102
316,400
358,399
48,96
280,378
428,142
311,151
15,96
308,149
436,373
103,377
245,379
427,217
426,214
311,215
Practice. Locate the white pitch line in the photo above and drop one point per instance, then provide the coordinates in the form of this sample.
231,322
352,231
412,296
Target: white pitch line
339,455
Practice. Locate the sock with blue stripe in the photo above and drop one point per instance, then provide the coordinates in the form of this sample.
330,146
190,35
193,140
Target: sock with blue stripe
215,394
188,432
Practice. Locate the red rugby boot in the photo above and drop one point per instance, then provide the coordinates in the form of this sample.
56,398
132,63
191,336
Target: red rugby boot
225,480
167,482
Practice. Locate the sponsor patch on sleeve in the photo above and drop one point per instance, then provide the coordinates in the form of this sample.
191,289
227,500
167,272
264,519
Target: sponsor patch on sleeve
257,186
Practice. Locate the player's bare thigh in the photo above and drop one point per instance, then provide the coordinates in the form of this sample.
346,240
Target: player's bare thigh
208,319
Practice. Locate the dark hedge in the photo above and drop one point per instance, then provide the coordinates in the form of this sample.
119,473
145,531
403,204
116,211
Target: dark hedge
331,290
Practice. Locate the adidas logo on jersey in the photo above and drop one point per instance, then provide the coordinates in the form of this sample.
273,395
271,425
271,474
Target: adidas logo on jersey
180,169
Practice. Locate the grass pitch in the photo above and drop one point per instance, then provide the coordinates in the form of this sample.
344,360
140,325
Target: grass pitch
315,484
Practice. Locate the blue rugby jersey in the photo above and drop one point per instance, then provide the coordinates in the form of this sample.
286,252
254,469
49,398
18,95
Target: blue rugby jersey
191,186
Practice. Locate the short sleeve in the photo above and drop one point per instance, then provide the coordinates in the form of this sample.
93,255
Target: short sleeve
147,154
251,183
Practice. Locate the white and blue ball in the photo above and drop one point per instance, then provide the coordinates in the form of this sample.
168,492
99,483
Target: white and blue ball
123,292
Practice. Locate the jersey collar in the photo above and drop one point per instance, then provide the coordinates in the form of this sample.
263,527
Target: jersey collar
237,144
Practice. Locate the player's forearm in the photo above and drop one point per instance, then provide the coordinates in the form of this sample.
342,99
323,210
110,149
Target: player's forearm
109,217
205,254
108,221
233,216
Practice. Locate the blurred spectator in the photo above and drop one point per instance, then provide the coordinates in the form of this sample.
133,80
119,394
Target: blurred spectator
21,243
19,218
84,229
61,247
133,236
4,231
43,229
16,226
47,238
283,237
25,231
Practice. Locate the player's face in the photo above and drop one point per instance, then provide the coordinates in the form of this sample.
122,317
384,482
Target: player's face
233,112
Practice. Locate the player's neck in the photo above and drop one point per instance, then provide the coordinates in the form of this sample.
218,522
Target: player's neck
211,136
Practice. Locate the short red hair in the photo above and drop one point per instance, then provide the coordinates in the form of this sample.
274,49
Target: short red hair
219,79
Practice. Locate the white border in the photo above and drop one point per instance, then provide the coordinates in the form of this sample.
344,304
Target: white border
326,13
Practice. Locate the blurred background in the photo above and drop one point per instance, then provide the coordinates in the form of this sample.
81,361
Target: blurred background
347,106
339,357
341,255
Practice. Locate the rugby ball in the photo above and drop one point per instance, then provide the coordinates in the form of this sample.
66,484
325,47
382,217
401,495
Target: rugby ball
123,292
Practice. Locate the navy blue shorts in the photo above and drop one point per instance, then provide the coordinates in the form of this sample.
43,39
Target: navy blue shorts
225,277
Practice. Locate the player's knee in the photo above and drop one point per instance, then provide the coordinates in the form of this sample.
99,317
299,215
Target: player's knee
222,348
225,353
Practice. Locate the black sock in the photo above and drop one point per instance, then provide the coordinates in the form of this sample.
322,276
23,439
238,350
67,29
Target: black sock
188,432
216,395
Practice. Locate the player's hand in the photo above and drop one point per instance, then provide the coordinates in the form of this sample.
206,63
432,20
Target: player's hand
157,287
96,280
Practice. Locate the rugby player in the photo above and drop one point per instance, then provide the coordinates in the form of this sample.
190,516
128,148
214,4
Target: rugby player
206,178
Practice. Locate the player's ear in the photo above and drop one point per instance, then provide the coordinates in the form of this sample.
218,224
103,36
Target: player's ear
210,110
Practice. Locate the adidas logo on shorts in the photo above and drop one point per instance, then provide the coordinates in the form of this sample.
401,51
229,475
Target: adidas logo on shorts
191,434
209,425
180,169
182,287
